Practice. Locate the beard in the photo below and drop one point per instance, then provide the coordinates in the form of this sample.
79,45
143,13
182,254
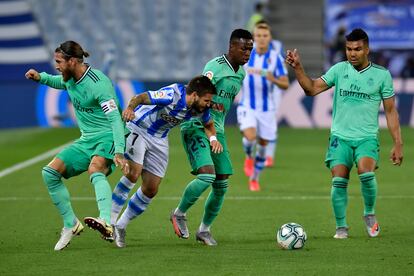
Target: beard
66,75
197,109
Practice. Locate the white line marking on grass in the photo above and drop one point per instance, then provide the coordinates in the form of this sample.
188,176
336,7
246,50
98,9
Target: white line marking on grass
31,161
252,198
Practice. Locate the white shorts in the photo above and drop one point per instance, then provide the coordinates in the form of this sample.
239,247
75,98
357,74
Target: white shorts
264,122
149,151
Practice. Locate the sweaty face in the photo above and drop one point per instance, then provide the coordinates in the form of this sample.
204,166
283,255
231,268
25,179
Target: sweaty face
262,38
202,103
63,66
241,49
357,53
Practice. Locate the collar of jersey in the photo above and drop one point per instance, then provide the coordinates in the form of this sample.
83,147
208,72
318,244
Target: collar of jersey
363,70
228,63
84,74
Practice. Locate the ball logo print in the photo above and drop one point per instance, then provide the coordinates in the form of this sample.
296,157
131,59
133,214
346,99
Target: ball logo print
291,236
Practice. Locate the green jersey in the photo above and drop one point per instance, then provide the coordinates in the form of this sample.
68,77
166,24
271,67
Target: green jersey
228,83
95,103
357,97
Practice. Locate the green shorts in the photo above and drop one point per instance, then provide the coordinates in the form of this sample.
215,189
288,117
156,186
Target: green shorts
348,152
197,147
78,155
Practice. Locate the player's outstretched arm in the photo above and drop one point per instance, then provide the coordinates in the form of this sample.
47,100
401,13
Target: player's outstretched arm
32,74
128,114
210,130
44,78
393,124
311,87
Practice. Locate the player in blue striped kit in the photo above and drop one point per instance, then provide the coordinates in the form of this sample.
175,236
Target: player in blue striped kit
151,116
256,113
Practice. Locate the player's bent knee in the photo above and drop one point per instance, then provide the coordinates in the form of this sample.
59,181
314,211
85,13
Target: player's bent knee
365,177
51,177
208,178
206,170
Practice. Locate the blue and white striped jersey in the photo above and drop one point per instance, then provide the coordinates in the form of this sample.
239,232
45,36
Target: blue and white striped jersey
168,109
257,91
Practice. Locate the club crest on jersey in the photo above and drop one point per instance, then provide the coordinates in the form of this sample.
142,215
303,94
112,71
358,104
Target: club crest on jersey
109,106
370,82
209,74
159,94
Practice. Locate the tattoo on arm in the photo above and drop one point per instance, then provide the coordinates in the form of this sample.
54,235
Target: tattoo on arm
139,99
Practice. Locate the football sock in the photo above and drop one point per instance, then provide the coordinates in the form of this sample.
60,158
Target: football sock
369,191
259,162
339,197
248,146
214,201
119,196
103,195
194,190
136,206
60,195
271,148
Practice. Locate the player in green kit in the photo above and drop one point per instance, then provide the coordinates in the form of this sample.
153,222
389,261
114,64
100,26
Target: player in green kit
100,146
227,74
360,87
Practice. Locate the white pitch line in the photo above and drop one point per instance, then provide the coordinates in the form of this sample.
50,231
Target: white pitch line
31,161
252,198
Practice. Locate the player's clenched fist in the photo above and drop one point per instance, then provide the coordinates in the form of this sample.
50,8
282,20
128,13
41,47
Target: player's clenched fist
32,74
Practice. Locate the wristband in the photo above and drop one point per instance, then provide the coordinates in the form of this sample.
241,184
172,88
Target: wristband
213,138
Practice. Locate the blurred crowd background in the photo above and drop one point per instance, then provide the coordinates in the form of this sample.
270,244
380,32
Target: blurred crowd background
143,44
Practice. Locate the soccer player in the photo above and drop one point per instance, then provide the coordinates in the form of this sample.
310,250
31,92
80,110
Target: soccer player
227,74
360,86
256,113
100,146
152,115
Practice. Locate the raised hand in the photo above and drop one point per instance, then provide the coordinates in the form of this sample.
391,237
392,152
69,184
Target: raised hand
32,74
292,58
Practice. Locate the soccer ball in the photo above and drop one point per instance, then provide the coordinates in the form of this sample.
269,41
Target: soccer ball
291,236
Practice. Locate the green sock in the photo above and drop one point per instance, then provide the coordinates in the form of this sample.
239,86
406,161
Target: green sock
369,191
214,201
339,197
103,194
60,195
194,190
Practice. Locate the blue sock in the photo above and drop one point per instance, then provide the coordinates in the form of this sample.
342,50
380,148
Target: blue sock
119,197
136,206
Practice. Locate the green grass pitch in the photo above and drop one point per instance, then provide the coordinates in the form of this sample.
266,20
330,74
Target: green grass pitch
297,189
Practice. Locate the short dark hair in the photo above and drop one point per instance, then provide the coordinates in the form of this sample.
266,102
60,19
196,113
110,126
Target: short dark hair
202,85
71,49
357,34
240,33
258,7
